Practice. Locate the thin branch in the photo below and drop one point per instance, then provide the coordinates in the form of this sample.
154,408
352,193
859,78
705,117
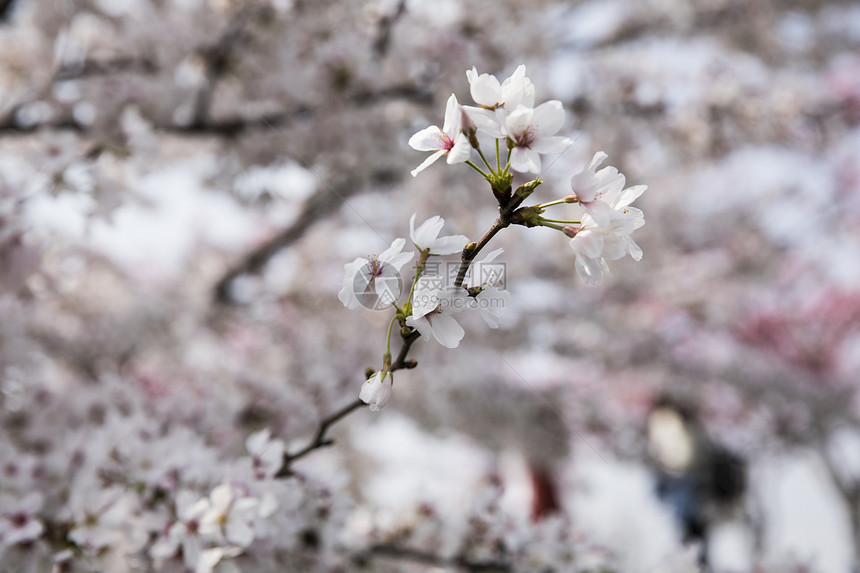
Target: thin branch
384,28
400,362
416,556
506,211
318,206
319,440
92,68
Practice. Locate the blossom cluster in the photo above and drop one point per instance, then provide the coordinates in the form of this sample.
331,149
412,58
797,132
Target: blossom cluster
505,113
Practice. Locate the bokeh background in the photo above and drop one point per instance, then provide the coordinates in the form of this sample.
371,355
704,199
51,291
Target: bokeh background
182,181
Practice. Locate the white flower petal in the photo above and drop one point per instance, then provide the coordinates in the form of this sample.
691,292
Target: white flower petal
587,243
422,325
461,151
428,139
451,126
448,245
377,390
427,295
427,162
518,89
346,295
589,270
551,145
600,211
630,194
485,89
256,442
426,233
487,121
447,331
549,117
525,160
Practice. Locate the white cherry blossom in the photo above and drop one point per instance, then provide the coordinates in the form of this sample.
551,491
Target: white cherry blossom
602,192
496,99
266,454
532,131
377,390
433,307
19,522
375,279
229,517
449,140
492,299
595,244
426,237
185,532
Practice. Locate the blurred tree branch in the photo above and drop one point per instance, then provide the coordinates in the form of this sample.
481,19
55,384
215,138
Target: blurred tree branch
320,440
318,206
6,9
458,562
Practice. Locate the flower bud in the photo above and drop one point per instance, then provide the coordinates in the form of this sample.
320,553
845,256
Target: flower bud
376,392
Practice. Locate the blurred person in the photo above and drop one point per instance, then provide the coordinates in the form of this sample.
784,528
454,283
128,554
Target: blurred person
701,481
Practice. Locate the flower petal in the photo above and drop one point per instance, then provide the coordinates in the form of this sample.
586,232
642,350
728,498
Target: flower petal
428,162
346,295
448,245
551,144
451,126
426,233
525,160
487,121
428,139
447,331
549,117
630,194
589,270
461,151
485,89
422,325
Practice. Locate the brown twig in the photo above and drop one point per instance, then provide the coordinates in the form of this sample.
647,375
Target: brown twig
319,440
318,206
404,553
508,204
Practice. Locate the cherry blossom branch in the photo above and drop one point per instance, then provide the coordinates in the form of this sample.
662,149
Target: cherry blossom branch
508,204
404,553
320,440
400,363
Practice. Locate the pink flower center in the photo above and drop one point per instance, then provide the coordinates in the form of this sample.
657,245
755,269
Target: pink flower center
526,137
375,267
446,142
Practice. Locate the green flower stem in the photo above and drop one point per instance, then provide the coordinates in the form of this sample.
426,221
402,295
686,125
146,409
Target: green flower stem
546,223
487,163
569,222
386,358
476,168
498,158
419,270
551,203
